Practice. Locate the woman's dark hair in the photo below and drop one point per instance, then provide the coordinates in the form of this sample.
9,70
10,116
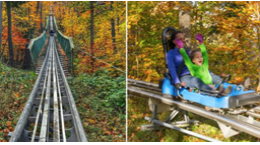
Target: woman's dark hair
173,36
192,53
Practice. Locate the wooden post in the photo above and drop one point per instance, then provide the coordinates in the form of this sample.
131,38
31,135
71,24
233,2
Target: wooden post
185,25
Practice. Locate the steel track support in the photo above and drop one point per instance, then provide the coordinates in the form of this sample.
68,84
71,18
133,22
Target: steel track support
227,131
181,129
154,126
238,123
172,115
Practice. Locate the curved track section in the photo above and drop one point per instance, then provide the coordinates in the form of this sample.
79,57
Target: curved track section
50,114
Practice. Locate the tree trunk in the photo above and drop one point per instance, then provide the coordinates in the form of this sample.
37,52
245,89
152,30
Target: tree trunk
196,18
92,34
118,19
37,12
258,46
29,19
4,45
185,26
37,8
60,21
63,3
258,35
1,26
113,29
41,5
10,42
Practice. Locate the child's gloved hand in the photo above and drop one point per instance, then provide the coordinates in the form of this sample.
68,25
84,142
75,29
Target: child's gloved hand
199,38
179,43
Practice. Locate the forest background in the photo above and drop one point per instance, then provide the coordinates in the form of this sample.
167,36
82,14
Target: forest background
97,29
232,38
230,31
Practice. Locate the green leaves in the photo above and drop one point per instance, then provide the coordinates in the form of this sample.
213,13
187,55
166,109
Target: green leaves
101,98
15,87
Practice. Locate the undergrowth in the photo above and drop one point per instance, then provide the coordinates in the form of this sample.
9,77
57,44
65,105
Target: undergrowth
101,101
15,88
138,109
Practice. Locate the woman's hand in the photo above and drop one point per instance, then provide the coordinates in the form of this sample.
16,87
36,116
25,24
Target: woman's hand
179,43
199,38
178,86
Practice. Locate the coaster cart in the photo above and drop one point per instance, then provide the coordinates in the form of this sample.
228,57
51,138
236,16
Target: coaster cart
232,104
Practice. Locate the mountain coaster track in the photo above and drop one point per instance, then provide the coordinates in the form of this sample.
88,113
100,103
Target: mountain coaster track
50,114
230,123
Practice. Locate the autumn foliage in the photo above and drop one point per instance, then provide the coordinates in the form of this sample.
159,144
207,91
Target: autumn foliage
13,100
28,21
231,34
230,29
73,19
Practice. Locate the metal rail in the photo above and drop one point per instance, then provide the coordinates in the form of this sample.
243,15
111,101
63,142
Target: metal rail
238,122
132,81
50,114
181,130
66,42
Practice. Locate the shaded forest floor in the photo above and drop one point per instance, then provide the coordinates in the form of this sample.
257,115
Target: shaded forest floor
100,101
15,87
138,109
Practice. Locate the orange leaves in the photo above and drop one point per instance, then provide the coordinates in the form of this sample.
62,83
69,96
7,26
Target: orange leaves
23,19
16,94
238,80
141,115
107,132
88,12
76,24
91,121
8,123
86,15
138,128
134,67
6,130
162,140
134,116
39,22
132,135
